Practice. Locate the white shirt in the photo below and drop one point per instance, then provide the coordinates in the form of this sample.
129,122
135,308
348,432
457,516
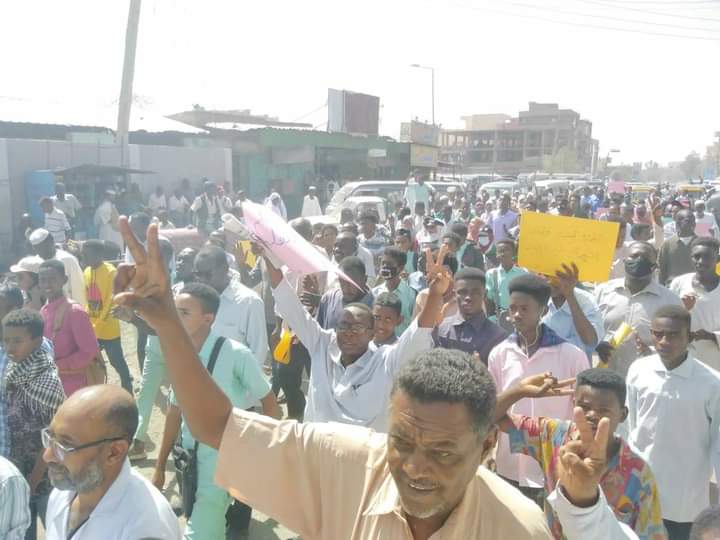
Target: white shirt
674,424
242,317
130,509
14,502
156,202
311,207
176,204
705,316
366,257
57,225
358,394
618,305
70,205
597,522
106,225
75,286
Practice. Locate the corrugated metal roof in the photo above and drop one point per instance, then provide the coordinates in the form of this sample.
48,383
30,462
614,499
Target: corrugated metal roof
91,115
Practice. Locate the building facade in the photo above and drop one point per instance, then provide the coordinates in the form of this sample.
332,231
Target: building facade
545,137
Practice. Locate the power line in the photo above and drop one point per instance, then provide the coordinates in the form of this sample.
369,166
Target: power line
667,2
611,18
587,25
321,107
651,12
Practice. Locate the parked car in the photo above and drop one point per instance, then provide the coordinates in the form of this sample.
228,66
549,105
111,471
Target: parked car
389,190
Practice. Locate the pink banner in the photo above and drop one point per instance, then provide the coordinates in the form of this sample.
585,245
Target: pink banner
703,229
283,245
616,186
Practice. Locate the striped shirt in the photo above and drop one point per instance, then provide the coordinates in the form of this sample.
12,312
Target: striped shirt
57,225
14,502
4,431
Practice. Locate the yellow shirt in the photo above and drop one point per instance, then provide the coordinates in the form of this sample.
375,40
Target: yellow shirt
99,288
329,481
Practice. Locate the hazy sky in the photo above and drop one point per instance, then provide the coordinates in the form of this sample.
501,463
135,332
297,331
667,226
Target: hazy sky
653,97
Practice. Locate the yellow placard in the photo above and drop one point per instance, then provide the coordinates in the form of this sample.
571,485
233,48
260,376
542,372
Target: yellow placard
249,255
717,268
547,241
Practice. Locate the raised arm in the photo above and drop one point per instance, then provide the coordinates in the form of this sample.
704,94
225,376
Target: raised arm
566,280
145,288
536,386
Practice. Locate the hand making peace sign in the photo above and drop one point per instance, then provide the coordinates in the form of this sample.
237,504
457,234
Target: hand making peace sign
438,276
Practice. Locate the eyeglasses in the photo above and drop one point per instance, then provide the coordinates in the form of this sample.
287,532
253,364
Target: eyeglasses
354,329
61,451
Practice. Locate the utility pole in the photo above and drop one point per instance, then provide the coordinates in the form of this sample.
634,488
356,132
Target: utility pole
126,87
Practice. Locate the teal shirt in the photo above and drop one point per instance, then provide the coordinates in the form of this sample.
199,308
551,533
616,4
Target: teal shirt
236,372
496,284
406,294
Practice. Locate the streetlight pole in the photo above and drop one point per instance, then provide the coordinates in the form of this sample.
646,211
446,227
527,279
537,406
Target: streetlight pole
607,158
432,88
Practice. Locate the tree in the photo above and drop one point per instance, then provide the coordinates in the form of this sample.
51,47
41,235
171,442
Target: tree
565,160
691,166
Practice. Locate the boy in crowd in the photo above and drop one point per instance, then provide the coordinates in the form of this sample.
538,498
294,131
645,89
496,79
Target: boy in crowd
238,374
674,419
99,277
499,277
532,349
628,484
32,390
387,314
391,266
404,242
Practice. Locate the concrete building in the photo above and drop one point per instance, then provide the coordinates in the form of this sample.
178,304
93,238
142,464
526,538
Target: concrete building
545,137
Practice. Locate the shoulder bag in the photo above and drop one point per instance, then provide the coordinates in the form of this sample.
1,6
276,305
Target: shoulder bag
186,468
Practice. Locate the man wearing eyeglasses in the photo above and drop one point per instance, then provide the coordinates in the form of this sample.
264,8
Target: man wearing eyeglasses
350,379
97,494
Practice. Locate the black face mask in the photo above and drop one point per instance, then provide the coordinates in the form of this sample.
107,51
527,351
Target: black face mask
387,272
638,267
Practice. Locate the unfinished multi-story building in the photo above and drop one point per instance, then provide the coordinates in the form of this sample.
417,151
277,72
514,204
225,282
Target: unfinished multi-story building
544,136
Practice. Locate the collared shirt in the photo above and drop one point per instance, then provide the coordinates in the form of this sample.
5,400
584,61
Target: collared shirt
130,509
674,260
75,342
242,317
15,502
75,286
236,373
705,315
500,222
359,393
627,483
105,220
377,242
618,305
99,287
156,202
674,423
368,260
497,281
474,335
406,294
415,193
508,365
561,320
340,475
332,305
57,225
69,205
177,204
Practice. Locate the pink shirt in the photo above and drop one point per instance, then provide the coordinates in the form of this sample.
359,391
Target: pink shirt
508,365
75,342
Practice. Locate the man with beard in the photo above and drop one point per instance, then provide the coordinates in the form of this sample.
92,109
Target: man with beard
97,494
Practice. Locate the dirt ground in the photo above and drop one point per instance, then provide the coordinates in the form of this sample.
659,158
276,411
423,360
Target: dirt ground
261,527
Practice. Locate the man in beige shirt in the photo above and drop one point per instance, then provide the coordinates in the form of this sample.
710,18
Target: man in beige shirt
331,481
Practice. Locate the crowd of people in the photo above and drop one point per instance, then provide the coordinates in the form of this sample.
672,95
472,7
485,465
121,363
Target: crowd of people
431,388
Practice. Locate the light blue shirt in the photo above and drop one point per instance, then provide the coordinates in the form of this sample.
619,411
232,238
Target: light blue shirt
407,296
496,285
236,372
560,320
